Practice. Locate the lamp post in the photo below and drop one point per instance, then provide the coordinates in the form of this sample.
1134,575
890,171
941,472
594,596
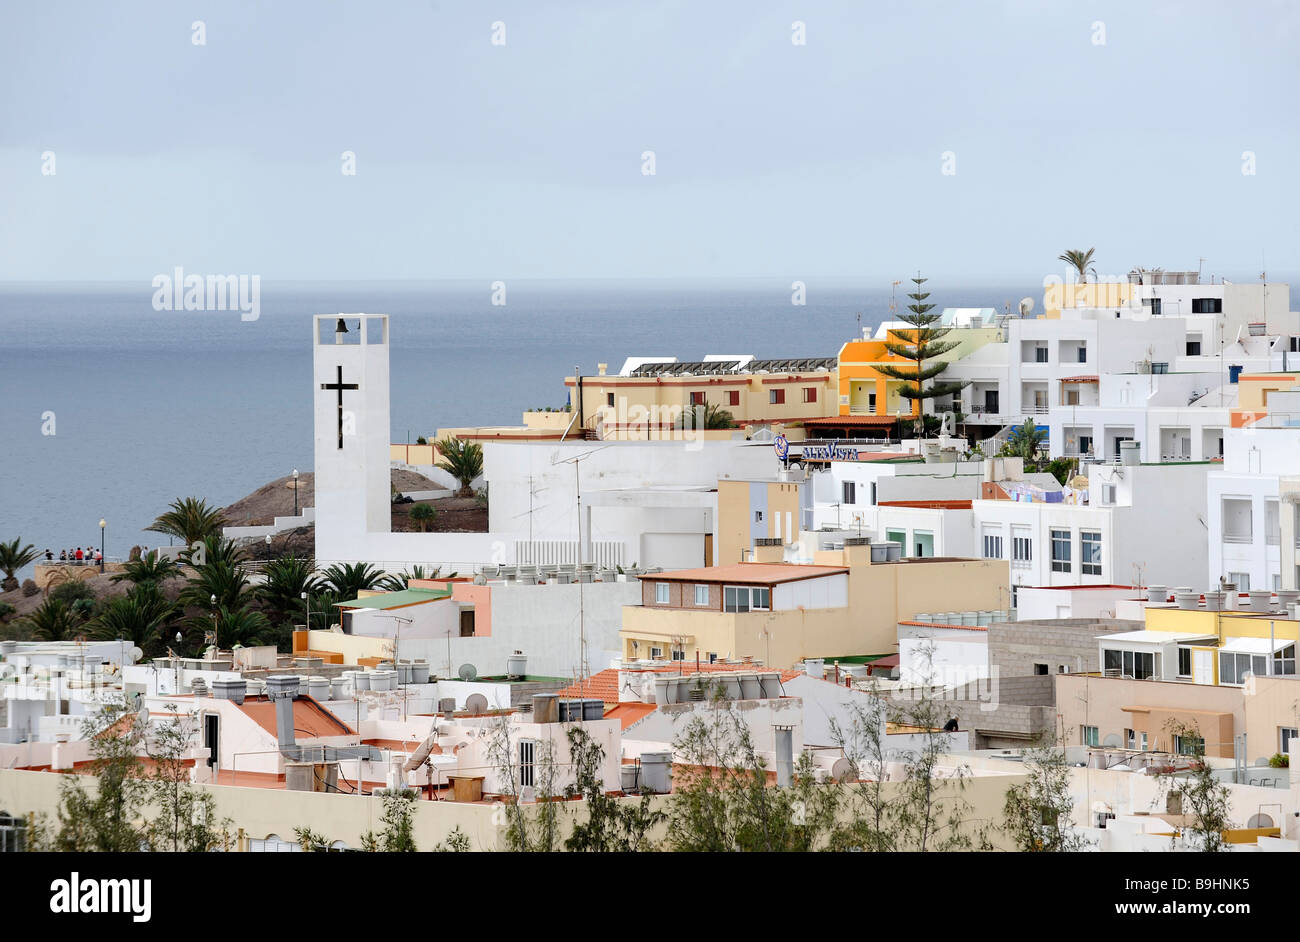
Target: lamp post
177,662
307,600
268,547
295,492
102,524
213,600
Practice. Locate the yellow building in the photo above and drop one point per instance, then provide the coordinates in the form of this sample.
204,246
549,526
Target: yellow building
841,605
649,401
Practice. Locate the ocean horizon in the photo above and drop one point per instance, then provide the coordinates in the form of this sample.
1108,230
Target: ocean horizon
146,406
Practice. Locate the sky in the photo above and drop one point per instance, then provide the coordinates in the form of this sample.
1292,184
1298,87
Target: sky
973,140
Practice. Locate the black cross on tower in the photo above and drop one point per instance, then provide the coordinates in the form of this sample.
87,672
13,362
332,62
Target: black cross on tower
340,386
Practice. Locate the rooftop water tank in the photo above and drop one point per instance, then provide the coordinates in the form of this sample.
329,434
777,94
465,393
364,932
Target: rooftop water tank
657,772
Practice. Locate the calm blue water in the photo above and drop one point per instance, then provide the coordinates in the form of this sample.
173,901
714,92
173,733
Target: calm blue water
153,405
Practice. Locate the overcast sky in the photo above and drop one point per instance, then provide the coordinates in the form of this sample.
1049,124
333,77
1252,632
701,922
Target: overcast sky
524,160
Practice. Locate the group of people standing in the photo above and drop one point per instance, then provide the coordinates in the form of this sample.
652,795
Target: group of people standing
76,556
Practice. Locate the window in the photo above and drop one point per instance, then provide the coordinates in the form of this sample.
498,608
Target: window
1241,580
992,546
1284,736
873,498
701,595
849,493
1061,551
1090,552
697,398
733,397
679,654
1189,745
1284,660
1160,367
1207,305
746,598
1090,736
13,833
1140,665
527,762
1108,493
1022,547
1040,669
661,593
810,394
609,400
776,397
1184,662
1272,523
1040,354
896,536
1235,667
758,516
1083,354
1071,397
1237,523
656,653
1193,348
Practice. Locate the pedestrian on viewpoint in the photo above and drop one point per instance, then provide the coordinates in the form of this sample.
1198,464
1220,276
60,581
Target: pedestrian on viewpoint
80,556
63,556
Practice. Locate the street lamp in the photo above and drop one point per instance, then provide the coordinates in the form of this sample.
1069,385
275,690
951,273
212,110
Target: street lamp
307,600
268,547
295,492
102,524
213,600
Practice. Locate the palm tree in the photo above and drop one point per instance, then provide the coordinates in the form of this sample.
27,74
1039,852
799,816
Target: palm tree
14,557
143,616
713,417
53,621
347,581
423,516
1080,260
218,576
189,520
322,608
149,568
403,579
217,549
463,461
242,626
287,579
1024,441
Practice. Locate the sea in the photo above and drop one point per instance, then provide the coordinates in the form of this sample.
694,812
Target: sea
110,409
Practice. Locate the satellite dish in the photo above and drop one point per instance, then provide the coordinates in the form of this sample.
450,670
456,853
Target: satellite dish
468,672
842,771
1026,306
136,653
476,703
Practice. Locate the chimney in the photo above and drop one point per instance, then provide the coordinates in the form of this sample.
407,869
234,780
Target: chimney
602,368
281,689
784,756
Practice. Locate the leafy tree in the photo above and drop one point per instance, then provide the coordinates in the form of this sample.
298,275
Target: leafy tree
150,568
189,519
348,580
525,832
398,833
611,825
187,819
920,344
13,557
110,820
1205,800
423,516
722,800
71,592
1080,260
311,841
1038,812
871,809
463,461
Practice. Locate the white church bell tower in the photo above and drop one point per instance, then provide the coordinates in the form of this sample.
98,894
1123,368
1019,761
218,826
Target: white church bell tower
350,386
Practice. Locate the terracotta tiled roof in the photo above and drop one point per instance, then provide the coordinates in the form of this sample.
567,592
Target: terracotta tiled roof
310,719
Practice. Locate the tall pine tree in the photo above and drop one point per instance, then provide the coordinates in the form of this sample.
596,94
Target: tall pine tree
921,344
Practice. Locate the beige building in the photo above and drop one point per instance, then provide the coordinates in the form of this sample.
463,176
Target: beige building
749,511
1123,713
841,605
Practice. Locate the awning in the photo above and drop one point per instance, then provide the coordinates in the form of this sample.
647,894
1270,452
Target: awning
1255,645
1079,379
851,421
